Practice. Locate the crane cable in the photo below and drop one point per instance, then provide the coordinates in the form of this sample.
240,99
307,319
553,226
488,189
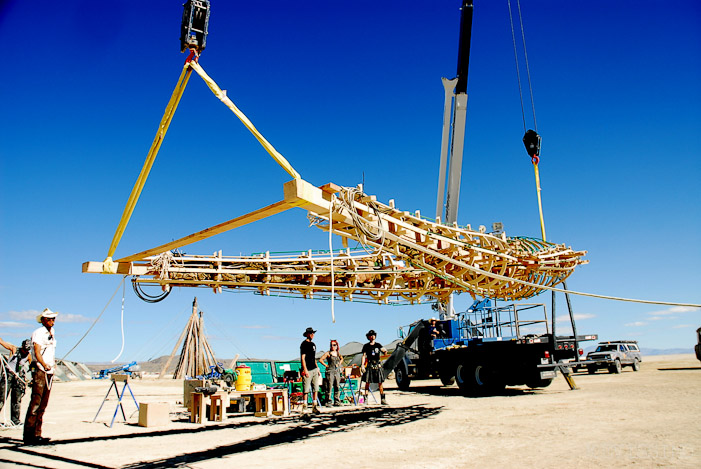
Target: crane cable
534,147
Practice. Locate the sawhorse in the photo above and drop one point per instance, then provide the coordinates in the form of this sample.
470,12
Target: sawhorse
115,378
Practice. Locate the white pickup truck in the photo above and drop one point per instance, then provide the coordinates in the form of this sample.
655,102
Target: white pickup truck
614,355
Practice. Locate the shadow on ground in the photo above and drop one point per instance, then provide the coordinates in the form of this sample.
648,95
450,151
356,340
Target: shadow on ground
455,391
305,427
679,369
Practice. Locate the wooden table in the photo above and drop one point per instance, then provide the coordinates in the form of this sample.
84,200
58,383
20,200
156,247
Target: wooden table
268,402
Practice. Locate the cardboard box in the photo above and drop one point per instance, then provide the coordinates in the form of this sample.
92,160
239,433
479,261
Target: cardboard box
154,414
189,386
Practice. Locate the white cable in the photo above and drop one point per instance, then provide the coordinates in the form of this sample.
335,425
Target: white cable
122,321
95,321
333,313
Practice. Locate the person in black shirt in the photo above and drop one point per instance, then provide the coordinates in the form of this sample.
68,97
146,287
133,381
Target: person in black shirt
310,371
371,363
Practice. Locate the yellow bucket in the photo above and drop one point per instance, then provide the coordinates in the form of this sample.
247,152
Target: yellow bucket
243,378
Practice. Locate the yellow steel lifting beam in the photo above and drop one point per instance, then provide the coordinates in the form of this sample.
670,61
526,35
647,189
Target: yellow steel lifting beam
109,266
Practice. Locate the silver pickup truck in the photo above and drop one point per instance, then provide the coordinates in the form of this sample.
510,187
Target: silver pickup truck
614,355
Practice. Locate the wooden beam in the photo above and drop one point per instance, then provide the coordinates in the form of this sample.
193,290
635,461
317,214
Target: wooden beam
123,268
259,214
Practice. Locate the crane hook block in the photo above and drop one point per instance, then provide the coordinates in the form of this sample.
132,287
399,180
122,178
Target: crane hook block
193,31
531,140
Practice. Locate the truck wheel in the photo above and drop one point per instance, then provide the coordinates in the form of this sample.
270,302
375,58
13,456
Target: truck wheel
636,365
401,376
477,380
616,367
461,377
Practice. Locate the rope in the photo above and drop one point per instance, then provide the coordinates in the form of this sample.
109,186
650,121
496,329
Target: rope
362,227
124,286
333,313
554,289
489,274
96,319
540,202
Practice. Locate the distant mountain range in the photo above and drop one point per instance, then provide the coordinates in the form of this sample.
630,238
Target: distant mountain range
350,349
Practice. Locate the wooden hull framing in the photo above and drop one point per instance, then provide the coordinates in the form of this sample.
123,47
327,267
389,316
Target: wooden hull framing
406,259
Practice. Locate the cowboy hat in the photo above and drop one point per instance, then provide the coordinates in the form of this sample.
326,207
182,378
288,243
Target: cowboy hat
47,313
309,331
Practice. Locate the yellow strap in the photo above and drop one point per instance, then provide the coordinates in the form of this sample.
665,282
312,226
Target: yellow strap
540,204
109,266
249,125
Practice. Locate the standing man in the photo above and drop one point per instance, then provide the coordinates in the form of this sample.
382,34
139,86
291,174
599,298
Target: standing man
44,343
15,377
371,362
434,329
310,371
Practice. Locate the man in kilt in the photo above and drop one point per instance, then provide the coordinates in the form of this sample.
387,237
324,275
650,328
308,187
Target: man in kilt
371,363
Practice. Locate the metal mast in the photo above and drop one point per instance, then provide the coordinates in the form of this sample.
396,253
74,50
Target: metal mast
453,138
454,128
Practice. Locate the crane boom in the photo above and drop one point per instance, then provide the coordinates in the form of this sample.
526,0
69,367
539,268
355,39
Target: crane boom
455,93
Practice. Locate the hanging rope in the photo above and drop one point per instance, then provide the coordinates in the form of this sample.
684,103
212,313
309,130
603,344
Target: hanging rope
96,319
333,313
124,286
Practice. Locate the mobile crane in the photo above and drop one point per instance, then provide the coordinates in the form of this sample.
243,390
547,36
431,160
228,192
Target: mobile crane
487,347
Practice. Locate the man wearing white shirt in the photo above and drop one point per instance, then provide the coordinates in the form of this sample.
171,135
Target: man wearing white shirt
44,343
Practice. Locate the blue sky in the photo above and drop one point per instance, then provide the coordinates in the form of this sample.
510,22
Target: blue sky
348,92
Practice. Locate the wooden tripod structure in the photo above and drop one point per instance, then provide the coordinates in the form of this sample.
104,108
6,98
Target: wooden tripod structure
196,355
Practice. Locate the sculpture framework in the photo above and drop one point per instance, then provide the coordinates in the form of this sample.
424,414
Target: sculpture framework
404,258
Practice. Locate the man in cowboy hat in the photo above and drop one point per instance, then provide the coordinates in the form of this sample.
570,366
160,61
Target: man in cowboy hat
44,343
14,377
310,371
434,329
371,363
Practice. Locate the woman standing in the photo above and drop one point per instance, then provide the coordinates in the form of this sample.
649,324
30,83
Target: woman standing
333,361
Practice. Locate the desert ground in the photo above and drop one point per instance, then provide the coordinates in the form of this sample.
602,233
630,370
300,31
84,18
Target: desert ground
649,418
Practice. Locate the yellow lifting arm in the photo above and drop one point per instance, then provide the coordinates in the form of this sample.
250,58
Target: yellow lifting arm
108,265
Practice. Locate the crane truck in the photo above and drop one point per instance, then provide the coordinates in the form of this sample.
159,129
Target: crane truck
487,347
